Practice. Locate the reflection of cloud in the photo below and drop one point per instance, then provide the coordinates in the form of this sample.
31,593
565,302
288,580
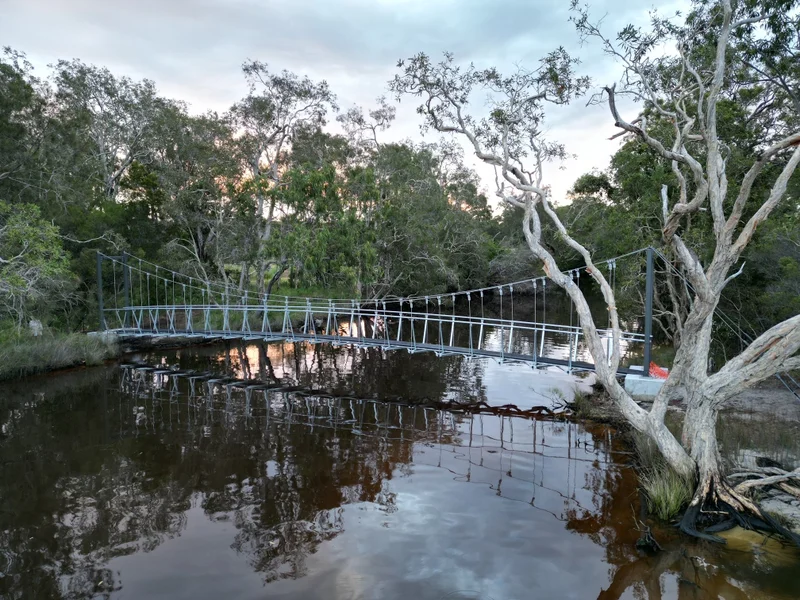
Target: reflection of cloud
519,385
445,538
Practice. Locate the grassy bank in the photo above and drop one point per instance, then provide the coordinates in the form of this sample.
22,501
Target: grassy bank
22,355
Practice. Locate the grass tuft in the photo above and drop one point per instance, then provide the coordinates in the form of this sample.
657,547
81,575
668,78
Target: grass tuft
667,492
582,405
25,355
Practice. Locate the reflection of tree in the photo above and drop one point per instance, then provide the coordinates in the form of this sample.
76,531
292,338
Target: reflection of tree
614,498
694,581
88,477
68,508
346,370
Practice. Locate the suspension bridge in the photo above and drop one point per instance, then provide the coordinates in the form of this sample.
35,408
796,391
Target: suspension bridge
137,298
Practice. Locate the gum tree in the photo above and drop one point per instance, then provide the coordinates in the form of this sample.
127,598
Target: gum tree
685,88
34,270
267,120
117,116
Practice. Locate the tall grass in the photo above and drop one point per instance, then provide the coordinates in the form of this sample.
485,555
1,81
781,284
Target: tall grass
23,355
667,492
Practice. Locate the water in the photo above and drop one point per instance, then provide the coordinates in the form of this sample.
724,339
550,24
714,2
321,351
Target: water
131,483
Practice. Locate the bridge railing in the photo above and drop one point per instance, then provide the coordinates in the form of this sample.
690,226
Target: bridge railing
400,326
137,298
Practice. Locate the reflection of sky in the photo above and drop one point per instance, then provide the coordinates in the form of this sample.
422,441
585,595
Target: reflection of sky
485,515
442,540
520,385
188,565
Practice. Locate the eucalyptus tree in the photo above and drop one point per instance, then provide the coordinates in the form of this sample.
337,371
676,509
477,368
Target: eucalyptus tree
21,114
277,106
190,186
34,269
685,88
429,222
39,159
116,114
362,129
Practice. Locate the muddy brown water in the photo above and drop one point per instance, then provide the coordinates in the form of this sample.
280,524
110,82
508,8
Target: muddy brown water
125,483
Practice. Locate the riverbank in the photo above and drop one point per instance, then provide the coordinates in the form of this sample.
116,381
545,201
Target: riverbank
24,355
759,428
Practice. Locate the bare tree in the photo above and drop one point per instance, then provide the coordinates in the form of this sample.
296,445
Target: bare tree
685,89
362,130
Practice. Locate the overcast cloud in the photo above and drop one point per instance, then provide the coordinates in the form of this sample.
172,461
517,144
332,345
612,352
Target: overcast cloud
193,49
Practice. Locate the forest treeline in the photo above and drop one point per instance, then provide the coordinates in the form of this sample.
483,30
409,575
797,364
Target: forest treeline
265,197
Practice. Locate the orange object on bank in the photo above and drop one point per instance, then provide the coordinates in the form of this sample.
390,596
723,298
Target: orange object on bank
658,372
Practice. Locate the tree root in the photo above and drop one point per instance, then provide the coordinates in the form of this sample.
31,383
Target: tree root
714,496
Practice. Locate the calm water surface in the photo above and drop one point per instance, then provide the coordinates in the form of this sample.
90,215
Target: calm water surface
136,483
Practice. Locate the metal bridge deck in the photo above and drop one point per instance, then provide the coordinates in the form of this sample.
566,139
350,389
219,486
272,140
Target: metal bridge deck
411,347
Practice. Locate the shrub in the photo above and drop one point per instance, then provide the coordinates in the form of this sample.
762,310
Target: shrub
25,355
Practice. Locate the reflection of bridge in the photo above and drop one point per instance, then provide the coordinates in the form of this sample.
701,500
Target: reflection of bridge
140,299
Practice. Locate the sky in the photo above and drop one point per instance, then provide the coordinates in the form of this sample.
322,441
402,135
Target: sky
194,49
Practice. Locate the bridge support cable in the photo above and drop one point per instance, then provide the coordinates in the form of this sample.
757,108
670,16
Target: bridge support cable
413,332
469,310
578,329
400,322
385,318
535,320
425,327
453,322
648,313
246,314
544,315
483,320
569,333
126,289
168,303
502,339
511,329
330,315
441,335
352,317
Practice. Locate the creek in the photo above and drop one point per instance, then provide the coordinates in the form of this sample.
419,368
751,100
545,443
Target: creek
337,479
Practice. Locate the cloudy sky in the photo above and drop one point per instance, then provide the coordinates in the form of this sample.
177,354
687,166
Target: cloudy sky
193,49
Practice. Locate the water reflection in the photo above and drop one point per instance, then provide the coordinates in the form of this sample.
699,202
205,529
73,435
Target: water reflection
143,484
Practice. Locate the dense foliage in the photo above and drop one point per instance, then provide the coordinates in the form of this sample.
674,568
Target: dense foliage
261,196
266,198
